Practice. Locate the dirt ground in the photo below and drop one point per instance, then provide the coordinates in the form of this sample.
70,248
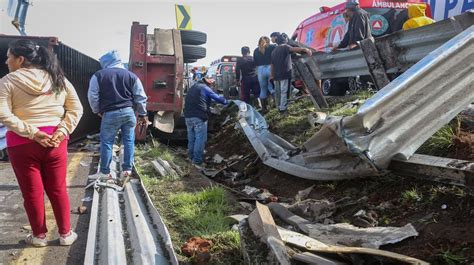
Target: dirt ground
442,214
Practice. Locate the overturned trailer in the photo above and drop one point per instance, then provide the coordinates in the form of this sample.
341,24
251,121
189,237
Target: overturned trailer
78,69
392,124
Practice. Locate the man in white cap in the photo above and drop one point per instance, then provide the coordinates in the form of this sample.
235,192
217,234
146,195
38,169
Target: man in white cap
196,107
359,26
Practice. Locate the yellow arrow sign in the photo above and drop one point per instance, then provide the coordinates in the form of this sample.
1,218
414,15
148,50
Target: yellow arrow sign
183,17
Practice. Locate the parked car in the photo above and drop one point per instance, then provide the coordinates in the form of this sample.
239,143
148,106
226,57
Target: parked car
326,29
223,71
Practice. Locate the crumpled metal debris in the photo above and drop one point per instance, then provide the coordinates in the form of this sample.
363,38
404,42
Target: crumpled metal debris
303,194
349,235
315,210
217,159
395,122
260,194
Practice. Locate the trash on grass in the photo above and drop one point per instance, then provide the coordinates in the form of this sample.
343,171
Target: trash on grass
315,210
349,235
303,194
198,248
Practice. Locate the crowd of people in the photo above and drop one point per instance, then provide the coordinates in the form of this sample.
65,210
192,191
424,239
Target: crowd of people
268,73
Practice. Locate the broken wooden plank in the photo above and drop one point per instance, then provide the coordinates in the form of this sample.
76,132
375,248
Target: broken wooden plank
311,258
374,63
367,251
171,172
263,226
159,168
177,168
440,169
314,68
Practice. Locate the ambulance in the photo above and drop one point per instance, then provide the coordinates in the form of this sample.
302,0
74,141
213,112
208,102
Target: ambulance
326,29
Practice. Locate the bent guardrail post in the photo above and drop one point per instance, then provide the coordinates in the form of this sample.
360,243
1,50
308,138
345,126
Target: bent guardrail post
374,63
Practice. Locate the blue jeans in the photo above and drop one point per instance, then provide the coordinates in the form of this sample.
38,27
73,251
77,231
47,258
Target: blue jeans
266,87
112,121
197,137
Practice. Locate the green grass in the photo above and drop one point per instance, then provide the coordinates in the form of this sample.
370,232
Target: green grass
204,214
411,195
442,140
451,259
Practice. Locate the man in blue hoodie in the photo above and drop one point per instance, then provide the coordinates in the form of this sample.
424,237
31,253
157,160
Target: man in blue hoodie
115,94
196,107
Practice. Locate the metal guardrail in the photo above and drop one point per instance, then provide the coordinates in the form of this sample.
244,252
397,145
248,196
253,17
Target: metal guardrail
125,227
398,51
394,123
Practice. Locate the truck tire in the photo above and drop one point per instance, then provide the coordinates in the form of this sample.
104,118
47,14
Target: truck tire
190,60
193,52
193,37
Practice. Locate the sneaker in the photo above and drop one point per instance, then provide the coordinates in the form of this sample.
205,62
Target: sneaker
68,240
99,176
127,173
199,166
36,241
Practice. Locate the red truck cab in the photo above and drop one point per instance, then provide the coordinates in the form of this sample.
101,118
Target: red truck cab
326,29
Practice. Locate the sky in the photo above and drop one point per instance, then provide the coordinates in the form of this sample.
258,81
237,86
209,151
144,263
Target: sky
94,27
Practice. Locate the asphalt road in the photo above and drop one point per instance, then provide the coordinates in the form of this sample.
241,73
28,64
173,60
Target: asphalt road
14,223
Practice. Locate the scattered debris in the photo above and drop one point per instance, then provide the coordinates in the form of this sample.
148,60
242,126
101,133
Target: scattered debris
159,168
315,210
169,169
247,206
303,194
365,219
26,227
311,258
85,164
349,235
263,226
217,159
86,199
198,248
444,207
260,194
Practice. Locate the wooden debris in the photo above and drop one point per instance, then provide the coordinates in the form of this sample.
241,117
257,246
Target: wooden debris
159,168
171,172
263,226
311,258
177,168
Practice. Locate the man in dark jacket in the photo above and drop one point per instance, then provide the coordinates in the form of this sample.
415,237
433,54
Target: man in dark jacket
196,107
115,94
359,26
246,68
281,70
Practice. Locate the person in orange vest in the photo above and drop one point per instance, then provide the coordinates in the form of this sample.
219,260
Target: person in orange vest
417,17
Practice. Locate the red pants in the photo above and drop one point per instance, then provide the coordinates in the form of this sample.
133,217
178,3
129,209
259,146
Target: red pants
37,170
